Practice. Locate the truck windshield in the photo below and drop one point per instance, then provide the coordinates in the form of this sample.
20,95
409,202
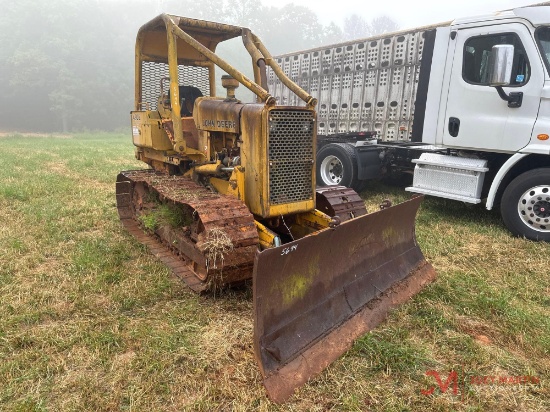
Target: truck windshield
543,39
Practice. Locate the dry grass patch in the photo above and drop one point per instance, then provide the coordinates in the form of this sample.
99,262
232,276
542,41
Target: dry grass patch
216,245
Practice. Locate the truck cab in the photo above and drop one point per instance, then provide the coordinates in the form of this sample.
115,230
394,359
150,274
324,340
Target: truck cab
462,102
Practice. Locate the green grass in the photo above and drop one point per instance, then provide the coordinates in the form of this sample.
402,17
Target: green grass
89,320
165,214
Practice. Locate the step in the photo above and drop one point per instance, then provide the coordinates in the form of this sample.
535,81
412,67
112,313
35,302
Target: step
443,195
452,162
449,177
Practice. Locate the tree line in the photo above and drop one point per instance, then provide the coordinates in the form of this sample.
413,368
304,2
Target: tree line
68,65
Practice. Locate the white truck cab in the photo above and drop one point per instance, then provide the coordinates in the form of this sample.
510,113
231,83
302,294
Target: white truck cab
473,109
464,105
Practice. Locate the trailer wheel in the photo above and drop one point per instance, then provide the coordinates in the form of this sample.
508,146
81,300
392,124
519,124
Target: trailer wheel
337,165
525,206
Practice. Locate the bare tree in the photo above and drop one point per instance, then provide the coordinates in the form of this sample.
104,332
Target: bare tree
248,13
332,34
381,25
356,27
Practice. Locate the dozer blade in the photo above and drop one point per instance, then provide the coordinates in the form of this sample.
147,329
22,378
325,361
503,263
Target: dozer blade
315,296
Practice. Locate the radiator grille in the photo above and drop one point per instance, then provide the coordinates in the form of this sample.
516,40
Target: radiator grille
152,72
290,153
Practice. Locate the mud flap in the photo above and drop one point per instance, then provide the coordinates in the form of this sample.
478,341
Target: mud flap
315,296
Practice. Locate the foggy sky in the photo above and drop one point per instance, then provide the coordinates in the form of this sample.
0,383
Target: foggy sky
405,13
70,63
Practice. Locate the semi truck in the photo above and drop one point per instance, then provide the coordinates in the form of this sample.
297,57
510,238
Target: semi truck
462,106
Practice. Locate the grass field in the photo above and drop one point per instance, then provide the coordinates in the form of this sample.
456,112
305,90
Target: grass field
90,321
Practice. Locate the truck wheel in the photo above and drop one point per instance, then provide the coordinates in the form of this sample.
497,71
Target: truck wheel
337,165
525,206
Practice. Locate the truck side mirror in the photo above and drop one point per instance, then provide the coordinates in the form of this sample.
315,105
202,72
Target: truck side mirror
501,62
500,65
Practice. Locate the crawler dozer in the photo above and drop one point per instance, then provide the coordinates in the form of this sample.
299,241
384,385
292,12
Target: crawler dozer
230,196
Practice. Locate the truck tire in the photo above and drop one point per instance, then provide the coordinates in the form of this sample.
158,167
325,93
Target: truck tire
337,165
525,205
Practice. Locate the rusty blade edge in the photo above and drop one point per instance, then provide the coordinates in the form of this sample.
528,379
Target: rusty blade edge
281,384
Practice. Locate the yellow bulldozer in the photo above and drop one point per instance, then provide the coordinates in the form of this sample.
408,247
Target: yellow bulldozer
230,196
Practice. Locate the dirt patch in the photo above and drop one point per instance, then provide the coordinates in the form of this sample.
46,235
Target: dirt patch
58,167
480,331
484,340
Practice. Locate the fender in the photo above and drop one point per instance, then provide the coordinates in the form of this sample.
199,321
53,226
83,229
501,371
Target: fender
506,167
368,162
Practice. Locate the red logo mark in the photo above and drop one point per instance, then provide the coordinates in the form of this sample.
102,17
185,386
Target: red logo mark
443,387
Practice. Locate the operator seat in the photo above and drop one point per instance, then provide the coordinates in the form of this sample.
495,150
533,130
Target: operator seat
188,95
